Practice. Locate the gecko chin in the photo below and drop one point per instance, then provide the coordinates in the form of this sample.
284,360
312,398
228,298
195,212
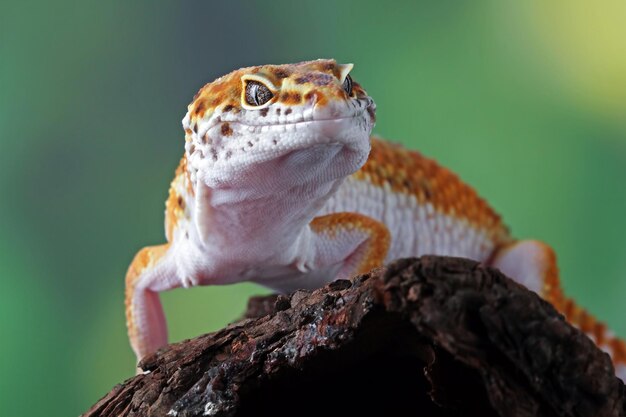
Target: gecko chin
277,156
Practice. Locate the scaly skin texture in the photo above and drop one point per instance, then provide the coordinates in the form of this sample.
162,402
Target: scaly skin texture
282,184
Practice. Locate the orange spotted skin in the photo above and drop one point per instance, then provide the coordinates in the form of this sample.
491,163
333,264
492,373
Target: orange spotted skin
373,255
409,172
180,195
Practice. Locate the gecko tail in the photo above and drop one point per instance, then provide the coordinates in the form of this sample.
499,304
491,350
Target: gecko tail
602,336
533,264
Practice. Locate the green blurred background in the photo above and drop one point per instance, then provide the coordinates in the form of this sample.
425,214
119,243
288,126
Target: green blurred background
526,100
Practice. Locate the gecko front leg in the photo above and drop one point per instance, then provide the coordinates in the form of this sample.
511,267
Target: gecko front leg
358,242
152,271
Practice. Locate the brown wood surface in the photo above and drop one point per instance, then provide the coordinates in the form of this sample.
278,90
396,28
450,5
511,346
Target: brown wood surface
432,336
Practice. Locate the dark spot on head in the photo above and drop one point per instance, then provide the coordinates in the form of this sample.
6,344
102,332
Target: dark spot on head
316,78
274,141
303,79
228,108
195,127
213,154
206,138
288,111
226,130
263,111
323,79
192,149
228,154
180,202
249,144
281,73
186,235
199,110
278,111
290,97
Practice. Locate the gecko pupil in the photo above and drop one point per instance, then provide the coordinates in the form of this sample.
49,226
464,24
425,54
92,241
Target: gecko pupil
257,93
347,85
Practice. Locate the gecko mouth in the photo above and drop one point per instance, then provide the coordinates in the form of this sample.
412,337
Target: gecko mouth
300,122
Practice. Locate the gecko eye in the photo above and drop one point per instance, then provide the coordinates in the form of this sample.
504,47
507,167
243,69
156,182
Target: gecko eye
347,85
257,93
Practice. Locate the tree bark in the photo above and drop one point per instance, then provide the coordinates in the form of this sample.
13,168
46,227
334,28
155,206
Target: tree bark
433,336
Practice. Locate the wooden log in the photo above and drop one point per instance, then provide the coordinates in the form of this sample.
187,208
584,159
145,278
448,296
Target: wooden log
433,336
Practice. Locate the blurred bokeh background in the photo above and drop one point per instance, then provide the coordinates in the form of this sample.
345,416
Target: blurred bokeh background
525,100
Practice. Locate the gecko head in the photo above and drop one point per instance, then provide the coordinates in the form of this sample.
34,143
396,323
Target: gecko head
277,125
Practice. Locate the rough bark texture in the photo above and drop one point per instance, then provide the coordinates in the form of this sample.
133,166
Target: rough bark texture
431,337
